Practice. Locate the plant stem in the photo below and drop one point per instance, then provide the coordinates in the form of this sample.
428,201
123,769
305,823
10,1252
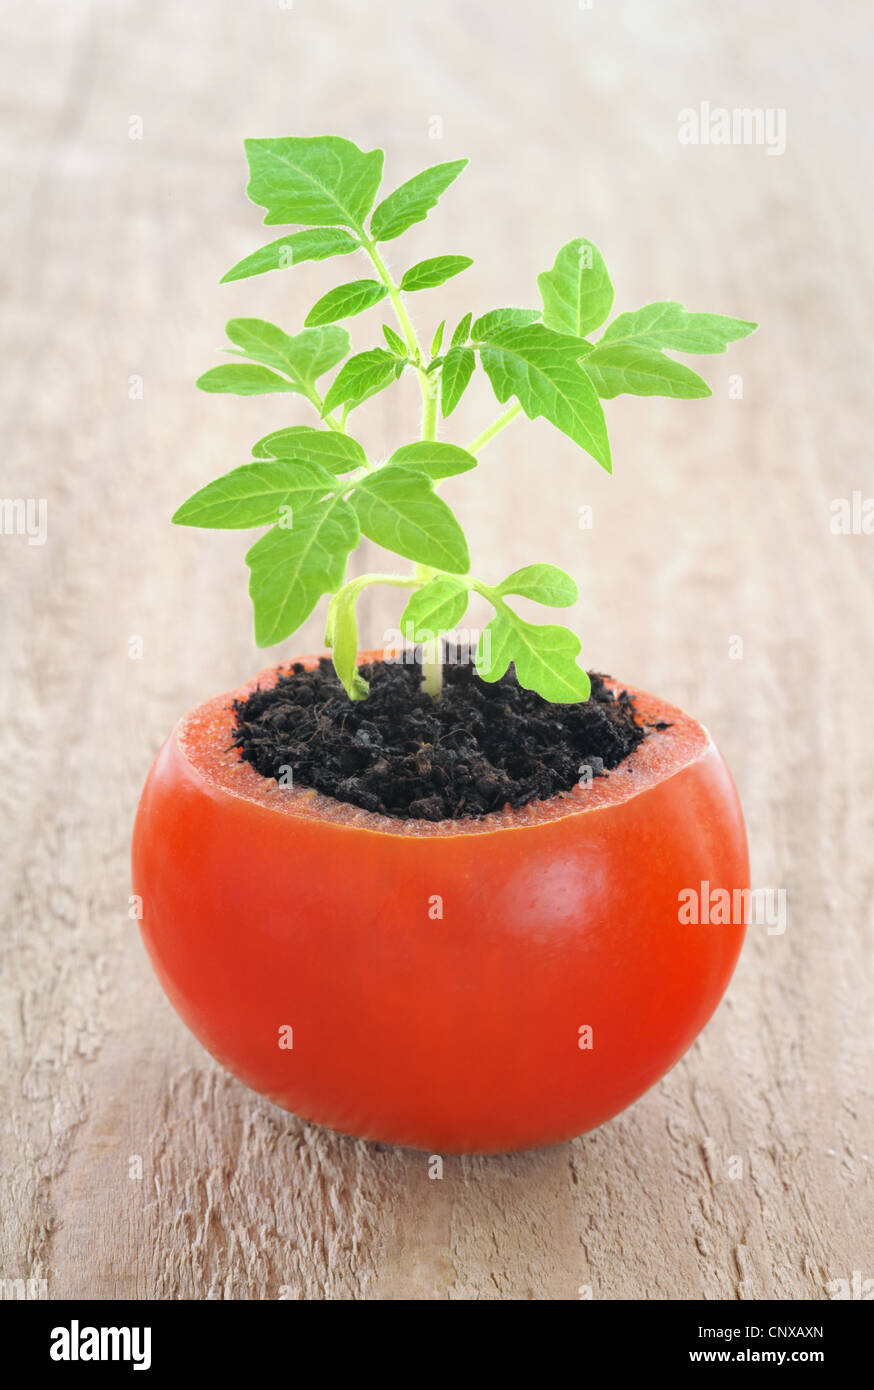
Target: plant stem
427,383
404,321
398,581
432,656
394,294
319,403
432,669
352,589
429,407
494,428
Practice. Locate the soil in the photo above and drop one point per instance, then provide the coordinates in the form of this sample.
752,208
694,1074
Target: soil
477,749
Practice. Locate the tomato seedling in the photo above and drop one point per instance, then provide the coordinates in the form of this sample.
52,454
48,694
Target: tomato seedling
315,486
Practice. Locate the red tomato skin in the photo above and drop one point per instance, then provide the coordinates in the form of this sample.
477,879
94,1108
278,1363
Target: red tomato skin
451,1033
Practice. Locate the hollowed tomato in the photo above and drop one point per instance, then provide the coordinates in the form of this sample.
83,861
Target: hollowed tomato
465,986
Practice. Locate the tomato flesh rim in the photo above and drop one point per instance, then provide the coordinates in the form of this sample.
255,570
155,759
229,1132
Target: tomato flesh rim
203,737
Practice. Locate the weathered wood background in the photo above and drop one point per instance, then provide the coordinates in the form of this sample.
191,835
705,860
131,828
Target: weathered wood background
715,526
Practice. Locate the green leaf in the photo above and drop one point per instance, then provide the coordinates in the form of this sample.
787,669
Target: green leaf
544,657
435,271
462,331
255,495
434,458
543,583
437,340
503,318
362,376
436,608
666,324
292,568
457,372
304,358
413,200
338,453
541,370
242,379
577,294
345,301
396,345
640,371
312,244
321,181
343,641
398,508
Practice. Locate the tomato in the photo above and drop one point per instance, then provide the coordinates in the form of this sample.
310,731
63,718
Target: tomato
468,986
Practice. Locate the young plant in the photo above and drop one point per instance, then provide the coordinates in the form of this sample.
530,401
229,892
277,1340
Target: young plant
316,488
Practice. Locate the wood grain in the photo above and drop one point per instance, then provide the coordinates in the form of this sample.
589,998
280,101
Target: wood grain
715,525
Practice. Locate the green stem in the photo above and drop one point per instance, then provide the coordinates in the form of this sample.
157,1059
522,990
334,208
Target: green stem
432,669
429,406
394,294
351,590
432,657
432,663
494,428
319,403
426,383
398,581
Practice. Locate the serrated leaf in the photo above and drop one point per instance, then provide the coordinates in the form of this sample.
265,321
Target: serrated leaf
544,657
437,340
666,324
311,244
435,608
396,344
398,508
345,301
541,370
640,371
462,331
255,495
543,583
304,357
434,458
457,372
413,200
361,377
292,568
577,294
242,379
320,181
343,641
426,275
338,453
503,318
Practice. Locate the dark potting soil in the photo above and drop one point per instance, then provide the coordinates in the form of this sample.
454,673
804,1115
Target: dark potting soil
478,748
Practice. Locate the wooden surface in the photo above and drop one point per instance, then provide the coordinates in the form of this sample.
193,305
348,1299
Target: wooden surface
714,526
